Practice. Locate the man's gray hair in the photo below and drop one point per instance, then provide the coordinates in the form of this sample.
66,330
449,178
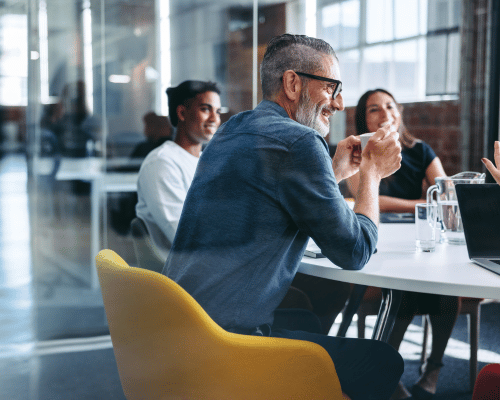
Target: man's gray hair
291,52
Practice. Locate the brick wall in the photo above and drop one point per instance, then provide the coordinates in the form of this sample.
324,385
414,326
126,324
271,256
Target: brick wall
437,123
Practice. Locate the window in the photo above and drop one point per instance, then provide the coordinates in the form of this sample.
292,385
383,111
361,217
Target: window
410,47
14,63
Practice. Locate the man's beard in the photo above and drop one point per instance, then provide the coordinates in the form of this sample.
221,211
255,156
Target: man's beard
308,114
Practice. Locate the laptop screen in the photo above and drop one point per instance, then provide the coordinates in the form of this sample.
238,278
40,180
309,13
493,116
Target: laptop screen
480,210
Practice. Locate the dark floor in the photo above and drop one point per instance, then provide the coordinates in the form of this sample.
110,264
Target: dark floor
92,374
79,375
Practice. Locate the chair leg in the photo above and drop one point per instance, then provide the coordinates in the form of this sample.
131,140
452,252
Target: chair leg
474,344
361,325
425,340
352,305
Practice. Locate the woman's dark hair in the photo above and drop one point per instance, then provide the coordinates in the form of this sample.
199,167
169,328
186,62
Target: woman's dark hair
186,91
405,137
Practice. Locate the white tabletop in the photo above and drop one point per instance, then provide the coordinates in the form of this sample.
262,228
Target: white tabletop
397,265
92,169
120,182
80,169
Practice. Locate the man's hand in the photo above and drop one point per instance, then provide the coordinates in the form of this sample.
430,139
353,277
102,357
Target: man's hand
382,154
495,171
347,158
381,157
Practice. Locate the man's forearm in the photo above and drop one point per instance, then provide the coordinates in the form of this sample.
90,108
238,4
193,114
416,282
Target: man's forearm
367,196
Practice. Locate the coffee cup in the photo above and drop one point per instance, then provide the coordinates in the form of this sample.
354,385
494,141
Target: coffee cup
364,139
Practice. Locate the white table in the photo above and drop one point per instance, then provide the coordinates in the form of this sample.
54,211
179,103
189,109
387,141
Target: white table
397,266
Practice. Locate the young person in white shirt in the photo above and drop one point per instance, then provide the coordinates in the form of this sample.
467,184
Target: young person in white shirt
167,172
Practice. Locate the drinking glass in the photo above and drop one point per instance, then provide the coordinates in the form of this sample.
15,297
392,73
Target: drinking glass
425,224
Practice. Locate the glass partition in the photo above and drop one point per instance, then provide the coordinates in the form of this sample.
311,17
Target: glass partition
102,66
97,68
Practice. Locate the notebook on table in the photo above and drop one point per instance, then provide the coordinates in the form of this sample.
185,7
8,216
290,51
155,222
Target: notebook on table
392,218
313,250
480,210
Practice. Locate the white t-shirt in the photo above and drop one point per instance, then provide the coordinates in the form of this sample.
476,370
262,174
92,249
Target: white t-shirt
164,179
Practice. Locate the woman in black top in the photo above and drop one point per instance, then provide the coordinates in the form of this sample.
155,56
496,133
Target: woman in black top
399,193
419,166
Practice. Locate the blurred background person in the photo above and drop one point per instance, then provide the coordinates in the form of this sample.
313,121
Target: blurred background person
157,129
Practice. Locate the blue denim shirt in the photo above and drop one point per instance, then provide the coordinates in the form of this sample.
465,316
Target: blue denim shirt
263,186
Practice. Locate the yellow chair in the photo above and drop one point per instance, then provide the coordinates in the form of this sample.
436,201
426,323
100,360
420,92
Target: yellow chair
167,347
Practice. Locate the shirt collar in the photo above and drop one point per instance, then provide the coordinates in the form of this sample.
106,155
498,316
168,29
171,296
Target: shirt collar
266,105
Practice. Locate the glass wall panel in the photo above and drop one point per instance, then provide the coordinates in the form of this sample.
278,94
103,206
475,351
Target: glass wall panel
66,143
101,67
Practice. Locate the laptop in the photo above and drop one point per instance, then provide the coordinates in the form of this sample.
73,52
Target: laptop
480,210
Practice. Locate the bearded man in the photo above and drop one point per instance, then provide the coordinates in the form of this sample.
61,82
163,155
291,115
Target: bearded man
264,185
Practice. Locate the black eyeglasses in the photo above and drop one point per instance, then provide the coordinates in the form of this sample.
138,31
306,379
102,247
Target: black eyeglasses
336,89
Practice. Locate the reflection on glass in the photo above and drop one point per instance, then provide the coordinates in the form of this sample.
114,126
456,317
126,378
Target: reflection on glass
105,68
379,21
406,18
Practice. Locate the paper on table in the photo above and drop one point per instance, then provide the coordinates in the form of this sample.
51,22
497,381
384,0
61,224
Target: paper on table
313,250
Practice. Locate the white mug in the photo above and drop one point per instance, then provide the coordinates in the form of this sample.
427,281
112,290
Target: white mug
364,139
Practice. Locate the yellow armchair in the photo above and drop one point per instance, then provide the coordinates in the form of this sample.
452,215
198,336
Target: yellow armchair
167,347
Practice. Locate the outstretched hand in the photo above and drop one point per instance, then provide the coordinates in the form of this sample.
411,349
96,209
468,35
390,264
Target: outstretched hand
495,171
347,158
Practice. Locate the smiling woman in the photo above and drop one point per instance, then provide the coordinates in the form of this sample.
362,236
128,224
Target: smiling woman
420,166
400,193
